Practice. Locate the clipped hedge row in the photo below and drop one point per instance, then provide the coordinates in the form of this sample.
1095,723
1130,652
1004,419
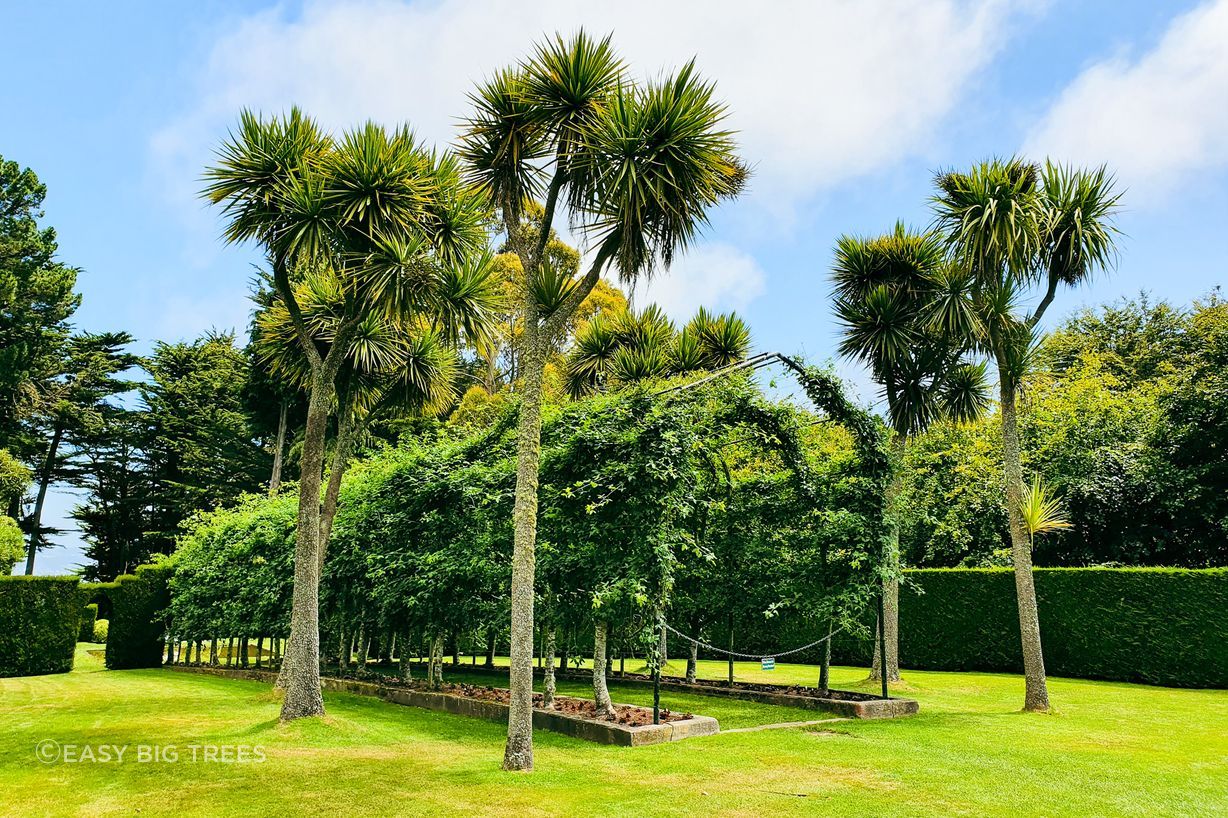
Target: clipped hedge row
89,615
137,625
39,622
1162,626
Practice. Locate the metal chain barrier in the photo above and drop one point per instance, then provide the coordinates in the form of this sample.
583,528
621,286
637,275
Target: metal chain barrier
737,655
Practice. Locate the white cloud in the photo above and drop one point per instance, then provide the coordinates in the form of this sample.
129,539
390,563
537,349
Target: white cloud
716,275
1157,120
821,92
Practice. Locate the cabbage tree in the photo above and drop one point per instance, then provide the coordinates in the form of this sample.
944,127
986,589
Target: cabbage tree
637,167
1017,228
382,215
907,315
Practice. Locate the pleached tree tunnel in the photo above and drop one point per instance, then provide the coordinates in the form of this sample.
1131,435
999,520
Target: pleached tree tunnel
697,502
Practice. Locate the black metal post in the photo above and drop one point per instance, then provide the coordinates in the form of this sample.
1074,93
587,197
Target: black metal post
882,639
656,680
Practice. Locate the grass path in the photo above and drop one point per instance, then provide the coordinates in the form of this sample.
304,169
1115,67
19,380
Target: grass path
1113,749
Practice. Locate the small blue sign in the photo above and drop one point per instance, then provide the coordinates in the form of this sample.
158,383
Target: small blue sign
767,663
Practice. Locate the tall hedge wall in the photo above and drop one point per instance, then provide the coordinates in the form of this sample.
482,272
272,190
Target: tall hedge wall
39,618
1163,626
138,611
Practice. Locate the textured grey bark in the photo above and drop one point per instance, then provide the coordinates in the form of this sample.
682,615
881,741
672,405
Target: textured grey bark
891,588
691,662
1036,695
301,668
343,653
601,693
283,418
549,688
537,335
436,663
44,481
518,755
213,651
363,643
336,471
663,646
407,663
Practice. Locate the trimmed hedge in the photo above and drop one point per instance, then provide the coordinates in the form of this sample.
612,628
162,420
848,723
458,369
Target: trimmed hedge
1163,626
39,622
89,615
138,611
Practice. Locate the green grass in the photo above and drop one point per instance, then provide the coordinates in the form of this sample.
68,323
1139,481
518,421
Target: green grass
1112,749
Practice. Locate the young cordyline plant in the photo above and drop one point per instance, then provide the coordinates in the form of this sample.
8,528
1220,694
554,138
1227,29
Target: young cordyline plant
1041,510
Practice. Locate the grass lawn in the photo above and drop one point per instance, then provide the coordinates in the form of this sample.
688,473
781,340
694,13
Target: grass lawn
1112,749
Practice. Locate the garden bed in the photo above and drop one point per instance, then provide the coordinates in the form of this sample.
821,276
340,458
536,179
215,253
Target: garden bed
630,726
846,703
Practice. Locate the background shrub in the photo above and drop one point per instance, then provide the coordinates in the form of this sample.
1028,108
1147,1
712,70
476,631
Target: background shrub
138,617
101,628
12,544
89,616
39,622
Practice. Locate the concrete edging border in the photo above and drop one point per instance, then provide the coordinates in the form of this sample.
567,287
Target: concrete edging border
601,732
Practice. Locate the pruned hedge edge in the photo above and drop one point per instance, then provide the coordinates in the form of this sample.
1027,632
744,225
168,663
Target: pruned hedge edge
40,618
137,628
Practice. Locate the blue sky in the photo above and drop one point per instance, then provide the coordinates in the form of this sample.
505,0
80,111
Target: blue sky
845,109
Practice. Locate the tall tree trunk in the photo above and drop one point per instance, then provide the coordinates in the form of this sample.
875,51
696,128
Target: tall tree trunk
343,652
691,662
362,647
259,651
213,652
601,693
44,481
549,688
435,666
407,661
1036,696
283,417
663,646
891,587
336,471
518,755
301,667
490,647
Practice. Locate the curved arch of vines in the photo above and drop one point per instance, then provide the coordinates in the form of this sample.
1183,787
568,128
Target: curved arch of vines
422,541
